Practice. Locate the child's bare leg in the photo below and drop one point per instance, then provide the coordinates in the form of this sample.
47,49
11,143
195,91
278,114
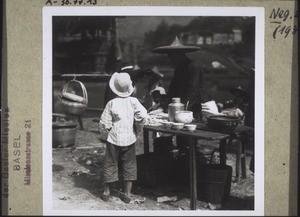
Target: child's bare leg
106,189
106,192
127,186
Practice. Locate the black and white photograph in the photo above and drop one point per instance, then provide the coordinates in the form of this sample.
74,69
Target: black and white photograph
153,110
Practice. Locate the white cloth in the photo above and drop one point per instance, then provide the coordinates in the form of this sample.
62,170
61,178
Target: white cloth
210,107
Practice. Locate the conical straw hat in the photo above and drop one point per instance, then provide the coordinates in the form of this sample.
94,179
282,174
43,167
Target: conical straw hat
175,46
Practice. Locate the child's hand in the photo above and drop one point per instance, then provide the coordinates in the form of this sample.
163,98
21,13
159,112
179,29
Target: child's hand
220,106
102,140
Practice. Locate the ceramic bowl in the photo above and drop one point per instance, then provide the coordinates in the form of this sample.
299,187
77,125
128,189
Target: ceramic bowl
185,117
190,127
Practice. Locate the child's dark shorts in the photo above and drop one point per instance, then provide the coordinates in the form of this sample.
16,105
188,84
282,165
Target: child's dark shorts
123,156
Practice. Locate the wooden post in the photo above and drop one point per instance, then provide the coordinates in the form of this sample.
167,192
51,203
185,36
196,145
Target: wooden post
193,174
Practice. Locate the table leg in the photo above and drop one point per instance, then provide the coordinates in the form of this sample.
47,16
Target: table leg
229,144
146,141
222,149
243,160
193,174
238,160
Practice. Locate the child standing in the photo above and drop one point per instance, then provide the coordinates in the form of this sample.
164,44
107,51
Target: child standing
120,124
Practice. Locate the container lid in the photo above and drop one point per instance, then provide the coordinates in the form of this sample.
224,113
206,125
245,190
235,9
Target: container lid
175,100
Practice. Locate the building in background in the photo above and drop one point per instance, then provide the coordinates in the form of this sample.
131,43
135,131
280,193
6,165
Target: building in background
85,45
212,36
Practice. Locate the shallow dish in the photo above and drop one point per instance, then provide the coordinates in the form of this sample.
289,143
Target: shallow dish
177,126
167,124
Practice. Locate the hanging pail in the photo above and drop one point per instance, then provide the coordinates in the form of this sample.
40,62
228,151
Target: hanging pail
63,132
215,183
74,104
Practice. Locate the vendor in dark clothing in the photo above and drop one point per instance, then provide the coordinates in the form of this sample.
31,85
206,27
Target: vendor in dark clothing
187,82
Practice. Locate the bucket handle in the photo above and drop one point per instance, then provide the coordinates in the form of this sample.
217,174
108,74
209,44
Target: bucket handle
83,89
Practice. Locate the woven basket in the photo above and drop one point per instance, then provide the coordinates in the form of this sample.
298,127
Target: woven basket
74,104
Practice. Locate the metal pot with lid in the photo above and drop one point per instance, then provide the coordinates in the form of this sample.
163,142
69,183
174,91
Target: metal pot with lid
176,105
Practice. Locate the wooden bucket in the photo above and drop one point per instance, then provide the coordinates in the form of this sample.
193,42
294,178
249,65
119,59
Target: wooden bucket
215,183
63,132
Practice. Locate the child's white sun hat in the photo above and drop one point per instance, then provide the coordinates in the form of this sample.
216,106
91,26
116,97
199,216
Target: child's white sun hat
121,84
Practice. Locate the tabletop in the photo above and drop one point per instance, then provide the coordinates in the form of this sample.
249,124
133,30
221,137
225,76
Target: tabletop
200,134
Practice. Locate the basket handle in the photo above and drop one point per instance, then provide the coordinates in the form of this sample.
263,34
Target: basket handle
59,117
83,89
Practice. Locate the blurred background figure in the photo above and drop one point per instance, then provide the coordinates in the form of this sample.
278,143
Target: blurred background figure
238,105
158,94
155,80
123,66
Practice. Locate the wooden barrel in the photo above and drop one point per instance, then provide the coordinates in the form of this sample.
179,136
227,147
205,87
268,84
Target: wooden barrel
215,183
63,137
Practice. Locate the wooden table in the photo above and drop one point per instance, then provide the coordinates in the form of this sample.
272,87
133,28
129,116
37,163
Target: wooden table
193,137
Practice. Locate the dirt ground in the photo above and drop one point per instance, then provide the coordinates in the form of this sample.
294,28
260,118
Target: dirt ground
77,179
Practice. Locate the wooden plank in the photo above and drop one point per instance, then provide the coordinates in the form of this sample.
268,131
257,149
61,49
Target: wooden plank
91,77
99,75
199,134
